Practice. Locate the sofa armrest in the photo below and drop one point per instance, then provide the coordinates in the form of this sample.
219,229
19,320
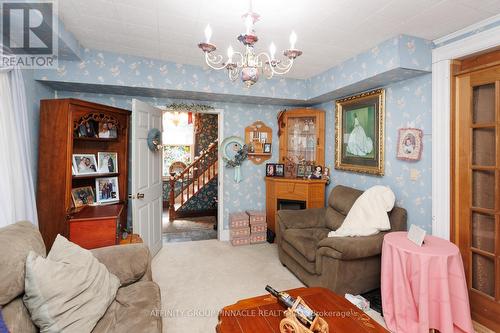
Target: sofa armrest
300,219
351,248
129,263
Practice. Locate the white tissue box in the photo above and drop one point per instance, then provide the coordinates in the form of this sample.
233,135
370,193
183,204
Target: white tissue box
359,301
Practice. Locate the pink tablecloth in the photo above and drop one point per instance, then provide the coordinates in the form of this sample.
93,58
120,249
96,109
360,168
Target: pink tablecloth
423,287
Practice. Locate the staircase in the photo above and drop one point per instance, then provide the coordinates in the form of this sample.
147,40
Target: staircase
192,179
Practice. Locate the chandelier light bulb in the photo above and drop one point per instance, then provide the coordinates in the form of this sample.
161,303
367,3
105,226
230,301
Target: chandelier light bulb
272,50
230,54
293,40
208,33
248,23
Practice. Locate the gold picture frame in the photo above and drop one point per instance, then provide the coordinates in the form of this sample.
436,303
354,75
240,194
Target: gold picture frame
359,132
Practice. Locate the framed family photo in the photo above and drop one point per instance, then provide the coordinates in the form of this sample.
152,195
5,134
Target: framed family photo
270,169
409,144
84,164
82,196
107,189
107,162
279,170
359,133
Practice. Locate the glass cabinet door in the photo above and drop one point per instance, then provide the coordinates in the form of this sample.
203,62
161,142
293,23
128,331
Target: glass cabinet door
302,139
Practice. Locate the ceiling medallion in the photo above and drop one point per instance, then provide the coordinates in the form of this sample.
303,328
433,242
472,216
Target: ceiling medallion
250,64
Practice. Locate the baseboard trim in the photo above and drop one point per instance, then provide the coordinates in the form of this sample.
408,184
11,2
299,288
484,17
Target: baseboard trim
224,236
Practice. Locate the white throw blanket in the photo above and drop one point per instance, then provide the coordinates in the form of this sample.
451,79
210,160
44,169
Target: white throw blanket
368,216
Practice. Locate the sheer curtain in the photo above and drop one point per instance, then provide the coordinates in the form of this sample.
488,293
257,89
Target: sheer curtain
17,194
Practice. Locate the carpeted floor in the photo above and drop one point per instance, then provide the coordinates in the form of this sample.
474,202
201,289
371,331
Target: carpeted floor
197,279
189,229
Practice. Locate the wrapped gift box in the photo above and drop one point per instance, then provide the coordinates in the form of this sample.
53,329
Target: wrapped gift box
256,217
258,228
258,238
238,220
239,232
240,241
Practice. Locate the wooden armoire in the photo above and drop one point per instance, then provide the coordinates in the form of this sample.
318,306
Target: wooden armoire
90,226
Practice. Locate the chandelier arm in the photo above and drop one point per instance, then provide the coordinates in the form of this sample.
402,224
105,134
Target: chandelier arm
233,73
282,69
214,61
239,64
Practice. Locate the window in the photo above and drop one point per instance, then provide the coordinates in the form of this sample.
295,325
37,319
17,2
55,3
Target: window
178,139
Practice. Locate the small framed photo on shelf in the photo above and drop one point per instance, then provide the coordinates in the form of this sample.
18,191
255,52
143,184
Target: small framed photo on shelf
107,130
107,162
87,129
279,170
107,189
317,173
267,148
309,170
82,196
84,164
270,170
301,170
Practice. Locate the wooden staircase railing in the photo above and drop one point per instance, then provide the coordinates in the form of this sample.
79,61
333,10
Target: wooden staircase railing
192,179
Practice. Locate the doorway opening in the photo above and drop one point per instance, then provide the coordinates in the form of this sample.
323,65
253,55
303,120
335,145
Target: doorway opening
190,175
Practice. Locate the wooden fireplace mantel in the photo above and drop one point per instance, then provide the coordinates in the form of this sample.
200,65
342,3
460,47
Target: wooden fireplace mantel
312,191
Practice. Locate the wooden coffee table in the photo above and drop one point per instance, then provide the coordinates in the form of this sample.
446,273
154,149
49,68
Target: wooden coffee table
263,314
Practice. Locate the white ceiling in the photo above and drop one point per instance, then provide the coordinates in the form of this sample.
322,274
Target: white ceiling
329,31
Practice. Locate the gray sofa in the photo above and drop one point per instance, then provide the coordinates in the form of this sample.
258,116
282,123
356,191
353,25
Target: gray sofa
344,265
135,301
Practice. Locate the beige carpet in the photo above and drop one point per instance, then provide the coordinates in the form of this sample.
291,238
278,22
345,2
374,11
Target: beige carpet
198,278
187,224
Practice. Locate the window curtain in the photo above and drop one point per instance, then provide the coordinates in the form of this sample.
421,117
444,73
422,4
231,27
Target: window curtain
17,194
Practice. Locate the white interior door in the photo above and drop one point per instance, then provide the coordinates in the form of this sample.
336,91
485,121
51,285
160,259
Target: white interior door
146,176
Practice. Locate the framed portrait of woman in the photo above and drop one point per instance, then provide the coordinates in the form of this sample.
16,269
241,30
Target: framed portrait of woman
359,133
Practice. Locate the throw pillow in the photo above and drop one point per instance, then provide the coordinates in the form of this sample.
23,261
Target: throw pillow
70,290
3,327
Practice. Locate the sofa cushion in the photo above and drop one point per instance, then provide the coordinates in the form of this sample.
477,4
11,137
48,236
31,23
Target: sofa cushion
342,198
16,241
298,257
351,248
135,309
18,318
70,290
333,219
305,240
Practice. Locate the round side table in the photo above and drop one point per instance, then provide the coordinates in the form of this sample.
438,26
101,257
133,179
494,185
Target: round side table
423,287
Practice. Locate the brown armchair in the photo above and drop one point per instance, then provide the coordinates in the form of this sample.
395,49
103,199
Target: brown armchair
343,264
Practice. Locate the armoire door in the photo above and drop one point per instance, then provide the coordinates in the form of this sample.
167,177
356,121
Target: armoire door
477,188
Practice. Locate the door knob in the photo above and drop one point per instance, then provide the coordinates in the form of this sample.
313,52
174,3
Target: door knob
131,196
140,195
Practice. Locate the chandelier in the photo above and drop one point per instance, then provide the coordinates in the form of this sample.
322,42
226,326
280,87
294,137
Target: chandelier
249,64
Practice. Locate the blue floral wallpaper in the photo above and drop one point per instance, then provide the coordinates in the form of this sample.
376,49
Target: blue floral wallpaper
408,104
112,69
400,52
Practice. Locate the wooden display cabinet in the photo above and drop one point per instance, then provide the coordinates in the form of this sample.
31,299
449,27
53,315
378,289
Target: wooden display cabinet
302,142
88,226
302,139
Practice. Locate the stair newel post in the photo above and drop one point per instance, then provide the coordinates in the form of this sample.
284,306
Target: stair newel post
171,207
